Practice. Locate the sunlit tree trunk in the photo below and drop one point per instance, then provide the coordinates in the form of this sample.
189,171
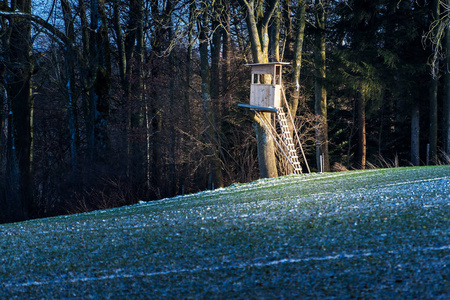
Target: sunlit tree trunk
216,44
320,91
360,155
257,24
298,54
296,33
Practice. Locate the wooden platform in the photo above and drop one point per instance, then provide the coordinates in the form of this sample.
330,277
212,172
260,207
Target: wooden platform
258,108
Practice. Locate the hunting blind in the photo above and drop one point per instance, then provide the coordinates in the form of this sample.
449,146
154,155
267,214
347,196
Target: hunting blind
267,95
265,89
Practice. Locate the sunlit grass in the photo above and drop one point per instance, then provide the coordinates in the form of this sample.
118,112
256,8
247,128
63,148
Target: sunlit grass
378,233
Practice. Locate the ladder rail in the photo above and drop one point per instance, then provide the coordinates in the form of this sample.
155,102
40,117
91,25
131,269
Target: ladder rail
286,142
295,129
289,142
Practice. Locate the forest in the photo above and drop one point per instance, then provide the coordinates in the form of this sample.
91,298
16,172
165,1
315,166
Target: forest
108,103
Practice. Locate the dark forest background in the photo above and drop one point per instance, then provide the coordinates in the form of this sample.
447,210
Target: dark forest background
108,102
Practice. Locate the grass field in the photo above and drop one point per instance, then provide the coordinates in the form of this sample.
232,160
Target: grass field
362,234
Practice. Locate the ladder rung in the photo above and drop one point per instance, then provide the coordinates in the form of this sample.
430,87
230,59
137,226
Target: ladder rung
289,142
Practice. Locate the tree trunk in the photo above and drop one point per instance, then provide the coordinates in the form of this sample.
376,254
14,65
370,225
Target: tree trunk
215,54
172,159
293,92
226,50
189,58
289,30
158,41
186,108
415,133
84,78
127,47
446,104
96,44
259,40
433,120
3,108
102,85
20,130
91,97
274,31
433,97
215,173
70,83
323,163
120,43
124,81
4,40
298,54
360,155
139,117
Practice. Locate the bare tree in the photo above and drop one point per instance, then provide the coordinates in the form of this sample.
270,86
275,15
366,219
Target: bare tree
320,90
215,173
19,66
259,13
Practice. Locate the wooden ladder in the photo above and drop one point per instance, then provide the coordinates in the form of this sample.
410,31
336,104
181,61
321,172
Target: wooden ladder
289,142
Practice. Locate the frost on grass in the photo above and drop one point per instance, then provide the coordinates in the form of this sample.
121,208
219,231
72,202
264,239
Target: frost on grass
377,233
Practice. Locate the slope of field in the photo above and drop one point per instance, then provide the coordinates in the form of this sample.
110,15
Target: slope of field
371,234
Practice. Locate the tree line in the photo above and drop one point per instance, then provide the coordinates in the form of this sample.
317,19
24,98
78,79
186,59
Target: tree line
105,103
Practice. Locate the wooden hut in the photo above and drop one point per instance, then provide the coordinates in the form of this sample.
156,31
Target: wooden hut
266,84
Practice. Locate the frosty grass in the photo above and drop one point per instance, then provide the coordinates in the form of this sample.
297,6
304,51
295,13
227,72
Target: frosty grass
370,234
